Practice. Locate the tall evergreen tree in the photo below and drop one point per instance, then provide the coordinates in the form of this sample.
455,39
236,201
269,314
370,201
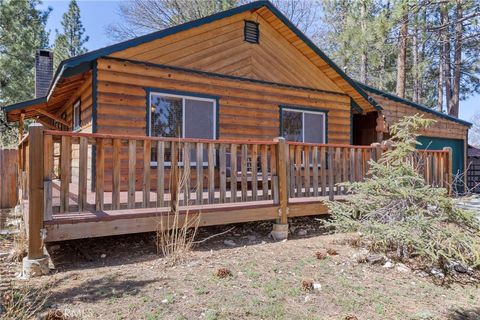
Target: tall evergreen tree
70,41
22,31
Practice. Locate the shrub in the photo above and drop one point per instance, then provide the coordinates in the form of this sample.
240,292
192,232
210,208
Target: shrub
398,212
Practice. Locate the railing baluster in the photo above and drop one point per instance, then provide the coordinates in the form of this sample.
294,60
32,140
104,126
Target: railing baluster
174,177
223,172
199,169
352,176
211,173
244,172
264,162
233,173
186,173
254,172
338,170
315,170
132,160
306,160
82,174
100,171
273,168
344,167
117,145
147,149
330,173
47,176
298,170
291,172
323,170
65,173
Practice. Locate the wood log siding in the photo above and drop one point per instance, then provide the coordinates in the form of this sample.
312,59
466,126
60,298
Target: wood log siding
394,111
220,47
246,110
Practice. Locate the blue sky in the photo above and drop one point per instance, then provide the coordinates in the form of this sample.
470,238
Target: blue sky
97,15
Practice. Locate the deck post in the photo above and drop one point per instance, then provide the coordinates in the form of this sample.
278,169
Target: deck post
36,263
280,229
449,169
377,150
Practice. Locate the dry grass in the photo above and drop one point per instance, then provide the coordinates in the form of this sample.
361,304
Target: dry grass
176,232
22,304
20,245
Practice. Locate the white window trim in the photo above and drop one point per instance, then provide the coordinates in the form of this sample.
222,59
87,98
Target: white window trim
183,97
76,119
303,121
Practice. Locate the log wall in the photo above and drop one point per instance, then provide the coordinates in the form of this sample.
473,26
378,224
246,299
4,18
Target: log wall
247,110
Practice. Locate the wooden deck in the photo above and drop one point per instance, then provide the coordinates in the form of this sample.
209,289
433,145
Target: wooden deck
238,181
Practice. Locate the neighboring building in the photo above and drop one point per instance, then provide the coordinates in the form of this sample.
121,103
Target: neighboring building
246,73
473,161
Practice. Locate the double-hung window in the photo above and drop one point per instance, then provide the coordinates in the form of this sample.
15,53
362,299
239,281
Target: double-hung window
181,116
303,125
76,115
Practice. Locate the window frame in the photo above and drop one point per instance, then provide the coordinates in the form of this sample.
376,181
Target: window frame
304,110
77,104
183,96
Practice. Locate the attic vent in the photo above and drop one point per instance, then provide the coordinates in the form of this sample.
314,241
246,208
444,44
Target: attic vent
251,32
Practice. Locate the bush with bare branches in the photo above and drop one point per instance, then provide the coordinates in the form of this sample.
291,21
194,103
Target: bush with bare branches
176,231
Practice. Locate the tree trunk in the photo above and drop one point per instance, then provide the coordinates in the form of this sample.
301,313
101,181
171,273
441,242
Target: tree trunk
445,55
402,53
457,62
415,57
440,86
364,57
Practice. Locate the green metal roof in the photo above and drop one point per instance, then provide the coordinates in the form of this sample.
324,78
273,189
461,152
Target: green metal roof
84,62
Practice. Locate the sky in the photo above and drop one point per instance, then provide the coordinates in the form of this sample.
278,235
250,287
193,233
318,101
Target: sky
97,15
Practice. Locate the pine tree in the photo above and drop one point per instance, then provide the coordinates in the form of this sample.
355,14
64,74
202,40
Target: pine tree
22,31
69,43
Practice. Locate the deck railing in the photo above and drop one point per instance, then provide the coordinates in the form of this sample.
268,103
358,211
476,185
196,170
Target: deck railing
76,172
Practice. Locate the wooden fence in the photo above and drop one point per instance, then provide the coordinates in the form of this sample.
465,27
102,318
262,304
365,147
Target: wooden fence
8,178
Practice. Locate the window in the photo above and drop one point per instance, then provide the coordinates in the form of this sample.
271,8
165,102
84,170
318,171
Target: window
303,125
76,116
251,32
181,116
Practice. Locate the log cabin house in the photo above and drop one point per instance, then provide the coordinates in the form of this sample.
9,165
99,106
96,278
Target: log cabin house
119,122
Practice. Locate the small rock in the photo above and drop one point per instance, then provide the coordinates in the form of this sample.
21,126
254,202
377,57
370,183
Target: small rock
317,286
402,268
302,232
460,268
264,242
388,265
437,273
229,243
165,301
54,247
376,259
308,298
237,234
421,273
103,256
251,238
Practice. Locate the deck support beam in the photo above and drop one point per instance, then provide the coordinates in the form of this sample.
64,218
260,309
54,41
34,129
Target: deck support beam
36,263
280,229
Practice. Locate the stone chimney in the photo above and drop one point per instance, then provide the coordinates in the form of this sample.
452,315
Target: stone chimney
43,72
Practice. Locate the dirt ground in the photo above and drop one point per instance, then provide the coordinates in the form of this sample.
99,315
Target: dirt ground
124,278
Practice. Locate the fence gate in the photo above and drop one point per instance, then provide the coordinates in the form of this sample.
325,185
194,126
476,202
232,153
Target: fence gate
8,178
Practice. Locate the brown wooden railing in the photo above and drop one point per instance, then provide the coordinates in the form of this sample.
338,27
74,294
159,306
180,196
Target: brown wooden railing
67,172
